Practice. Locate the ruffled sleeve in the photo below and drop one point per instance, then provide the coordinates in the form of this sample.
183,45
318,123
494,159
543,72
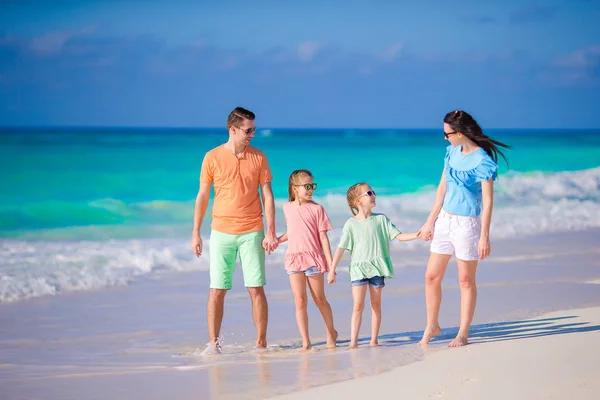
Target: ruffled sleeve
486,170
447,156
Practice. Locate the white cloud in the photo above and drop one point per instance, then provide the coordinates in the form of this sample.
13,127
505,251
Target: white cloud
392,52
53,42
588,57
306,51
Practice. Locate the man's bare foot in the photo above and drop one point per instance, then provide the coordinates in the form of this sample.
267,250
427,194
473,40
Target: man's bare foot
332,340
429,332
459,341
261,344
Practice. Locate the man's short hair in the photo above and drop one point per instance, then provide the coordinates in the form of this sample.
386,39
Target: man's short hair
238,115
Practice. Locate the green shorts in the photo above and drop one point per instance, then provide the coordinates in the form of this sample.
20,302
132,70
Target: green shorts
224,250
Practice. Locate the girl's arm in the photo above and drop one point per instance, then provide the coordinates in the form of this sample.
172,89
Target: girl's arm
326,247
407,237
487,192
283,238
336,259
426,231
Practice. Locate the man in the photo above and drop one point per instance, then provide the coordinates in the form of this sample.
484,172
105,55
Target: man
236,171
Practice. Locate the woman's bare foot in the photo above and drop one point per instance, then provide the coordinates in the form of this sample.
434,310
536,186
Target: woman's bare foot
459,341
353,345
305,347
332,340
374,343
430,332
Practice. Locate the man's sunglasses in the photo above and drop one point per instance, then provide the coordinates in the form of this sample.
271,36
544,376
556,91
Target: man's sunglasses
446,134
369,193
309,186
247,131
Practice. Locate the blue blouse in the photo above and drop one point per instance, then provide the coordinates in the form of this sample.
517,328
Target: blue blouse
464,174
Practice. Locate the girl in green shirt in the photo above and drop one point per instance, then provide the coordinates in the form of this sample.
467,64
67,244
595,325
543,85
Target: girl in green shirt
367,236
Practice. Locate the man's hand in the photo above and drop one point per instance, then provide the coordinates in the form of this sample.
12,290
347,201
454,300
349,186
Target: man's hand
197,245
270,243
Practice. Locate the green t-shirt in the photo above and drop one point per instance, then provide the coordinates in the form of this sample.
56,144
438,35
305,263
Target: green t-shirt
368,241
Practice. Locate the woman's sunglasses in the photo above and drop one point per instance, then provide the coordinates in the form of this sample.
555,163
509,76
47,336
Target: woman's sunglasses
369,193
309,186
446,134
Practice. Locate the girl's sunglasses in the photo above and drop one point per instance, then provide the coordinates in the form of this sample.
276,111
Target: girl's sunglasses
369,193
309,186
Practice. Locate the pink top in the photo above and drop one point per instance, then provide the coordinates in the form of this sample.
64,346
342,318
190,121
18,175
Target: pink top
304,245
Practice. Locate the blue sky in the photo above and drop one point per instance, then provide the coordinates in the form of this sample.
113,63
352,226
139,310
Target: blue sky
351,64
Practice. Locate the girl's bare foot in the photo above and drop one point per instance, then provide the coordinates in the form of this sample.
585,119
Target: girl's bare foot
332,340
429,332
459,341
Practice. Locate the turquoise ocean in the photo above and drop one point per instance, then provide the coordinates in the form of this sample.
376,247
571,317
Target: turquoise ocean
83,209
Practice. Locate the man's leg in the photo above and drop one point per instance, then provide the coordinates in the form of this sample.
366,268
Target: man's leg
252,257
214,313
260,312
223,254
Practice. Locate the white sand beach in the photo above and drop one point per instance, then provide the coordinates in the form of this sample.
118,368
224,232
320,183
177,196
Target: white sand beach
534,336
554,356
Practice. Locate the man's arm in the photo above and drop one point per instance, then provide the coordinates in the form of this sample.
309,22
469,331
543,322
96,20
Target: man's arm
270,243
199,211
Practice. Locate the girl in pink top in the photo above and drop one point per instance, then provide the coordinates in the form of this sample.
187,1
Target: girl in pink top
309,254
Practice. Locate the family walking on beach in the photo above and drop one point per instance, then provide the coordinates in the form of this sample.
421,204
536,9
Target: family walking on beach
459,224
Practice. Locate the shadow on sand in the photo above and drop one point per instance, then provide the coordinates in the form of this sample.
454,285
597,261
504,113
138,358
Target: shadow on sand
493,332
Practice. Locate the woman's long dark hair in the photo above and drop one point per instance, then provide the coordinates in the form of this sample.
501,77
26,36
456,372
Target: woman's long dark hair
463,122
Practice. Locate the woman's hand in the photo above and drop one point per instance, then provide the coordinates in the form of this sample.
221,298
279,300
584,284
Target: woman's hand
426,231
484,248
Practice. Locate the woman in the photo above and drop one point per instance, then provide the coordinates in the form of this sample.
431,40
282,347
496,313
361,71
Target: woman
459,222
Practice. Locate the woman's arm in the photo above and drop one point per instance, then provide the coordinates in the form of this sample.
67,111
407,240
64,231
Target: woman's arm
487,193
426,231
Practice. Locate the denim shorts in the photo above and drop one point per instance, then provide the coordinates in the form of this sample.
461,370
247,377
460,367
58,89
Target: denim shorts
312,271
375,281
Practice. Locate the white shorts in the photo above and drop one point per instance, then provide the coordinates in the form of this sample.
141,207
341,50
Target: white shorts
456,234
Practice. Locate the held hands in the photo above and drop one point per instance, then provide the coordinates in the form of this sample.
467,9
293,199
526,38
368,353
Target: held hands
484,248
197,245
270,243
331,276
426,231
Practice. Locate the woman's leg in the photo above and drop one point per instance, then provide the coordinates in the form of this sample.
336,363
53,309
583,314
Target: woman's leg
468,299
358,295
316,284
436,268
298,284
375,295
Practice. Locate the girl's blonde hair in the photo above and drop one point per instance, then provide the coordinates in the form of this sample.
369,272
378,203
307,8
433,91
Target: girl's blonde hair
295,179
352,194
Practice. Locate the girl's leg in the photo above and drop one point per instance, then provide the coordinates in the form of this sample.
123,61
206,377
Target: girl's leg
375,295
436,267
358,295
298,284
316,284
468,299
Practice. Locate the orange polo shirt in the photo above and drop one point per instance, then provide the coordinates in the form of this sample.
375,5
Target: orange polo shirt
237,207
